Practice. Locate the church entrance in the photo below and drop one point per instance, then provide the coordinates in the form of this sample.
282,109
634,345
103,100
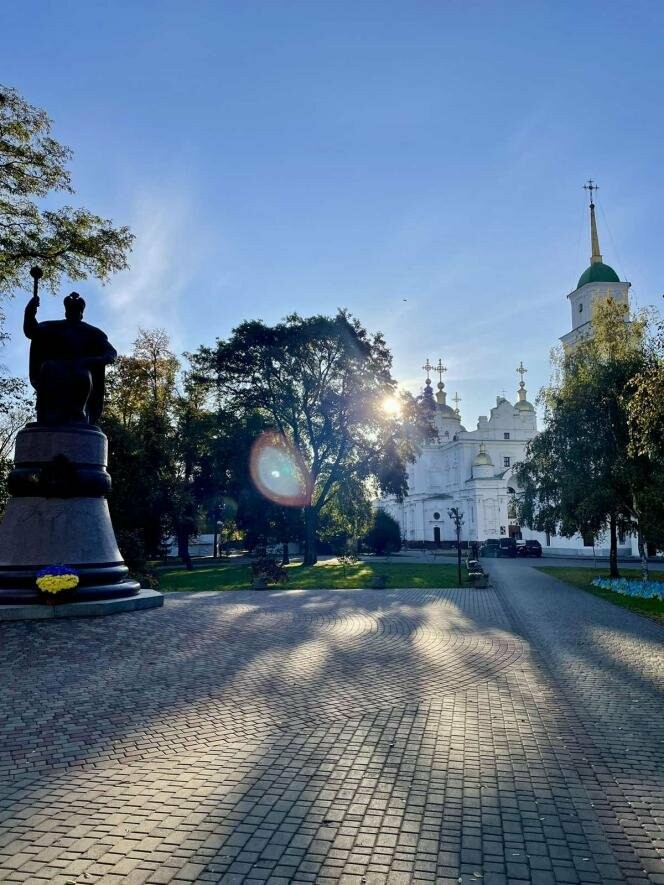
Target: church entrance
436,535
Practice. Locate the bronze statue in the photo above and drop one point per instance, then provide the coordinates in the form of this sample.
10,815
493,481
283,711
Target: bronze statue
67,361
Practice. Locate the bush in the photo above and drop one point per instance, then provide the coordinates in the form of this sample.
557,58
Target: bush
147,580
132,548
269,570
385,534
347,559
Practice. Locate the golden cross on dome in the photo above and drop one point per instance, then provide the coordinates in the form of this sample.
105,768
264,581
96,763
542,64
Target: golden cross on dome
591,186
427,368
521,370
440,368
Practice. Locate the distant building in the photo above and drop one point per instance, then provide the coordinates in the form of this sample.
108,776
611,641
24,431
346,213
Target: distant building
473,469
469,469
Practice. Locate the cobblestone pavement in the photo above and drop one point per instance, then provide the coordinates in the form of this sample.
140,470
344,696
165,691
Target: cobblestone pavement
508,735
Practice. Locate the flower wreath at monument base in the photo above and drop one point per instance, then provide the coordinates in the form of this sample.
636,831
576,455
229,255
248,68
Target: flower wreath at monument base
55,578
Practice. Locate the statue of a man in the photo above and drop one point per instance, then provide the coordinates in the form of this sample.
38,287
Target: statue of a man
67,361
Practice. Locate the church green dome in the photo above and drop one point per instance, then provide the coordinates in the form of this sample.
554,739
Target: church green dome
598,273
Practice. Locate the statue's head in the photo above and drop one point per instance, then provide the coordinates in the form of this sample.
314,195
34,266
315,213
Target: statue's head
74,306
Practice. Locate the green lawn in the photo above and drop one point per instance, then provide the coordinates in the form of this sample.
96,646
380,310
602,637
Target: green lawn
324,575
582,577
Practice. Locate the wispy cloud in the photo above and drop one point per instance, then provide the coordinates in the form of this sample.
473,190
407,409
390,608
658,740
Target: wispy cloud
165,263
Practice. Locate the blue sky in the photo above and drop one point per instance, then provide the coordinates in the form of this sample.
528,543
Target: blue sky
283,156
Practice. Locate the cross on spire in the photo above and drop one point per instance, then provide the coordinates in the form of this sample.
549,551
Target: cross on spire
427,368
590,187
521,371
456,399
595,254
440,368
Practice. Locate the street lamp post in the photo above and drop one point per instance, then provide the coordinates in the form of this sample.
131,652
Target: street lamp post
457,518
217,538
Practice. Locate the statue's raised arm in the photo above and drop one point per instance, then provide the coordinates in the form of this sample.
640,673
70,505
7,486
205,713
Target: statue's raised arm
30,317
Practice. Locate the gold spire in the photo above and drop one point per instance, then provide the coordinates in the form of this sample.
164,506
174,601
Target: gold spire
456,399
596,256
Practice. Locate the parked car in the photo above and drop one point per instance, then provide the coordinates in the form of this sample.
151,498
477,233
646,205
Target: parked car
528,548
499,547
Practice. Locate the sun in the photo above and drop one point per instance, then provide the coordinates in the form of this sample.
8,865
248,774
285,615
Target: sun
391,406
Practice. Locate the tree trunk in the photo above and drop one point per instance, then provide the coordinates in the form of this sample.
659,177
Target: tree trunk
310,536
285,558
613,552
183,548
643,553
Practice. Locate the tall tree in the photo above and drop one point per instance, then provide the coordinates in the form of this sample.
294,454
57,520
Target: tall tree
140,423
644,400
320,383
16,409
65,241
583,472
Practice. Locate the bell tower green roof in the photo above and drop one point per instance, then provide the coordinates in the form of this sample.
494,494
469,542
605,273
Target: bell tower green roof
598,273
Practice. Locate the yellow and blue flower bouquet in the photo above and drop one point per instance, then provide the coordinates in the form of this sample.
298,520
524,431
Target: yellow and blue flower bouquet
55,578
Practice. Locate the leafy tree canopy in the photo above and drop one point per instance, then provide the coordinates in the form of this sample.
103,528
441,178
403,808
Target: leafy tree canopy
321,383
384,535
66,241
583,471
644,401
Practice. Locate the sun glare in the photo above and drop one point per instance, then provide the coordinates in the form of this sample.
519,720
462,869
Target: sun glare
391,405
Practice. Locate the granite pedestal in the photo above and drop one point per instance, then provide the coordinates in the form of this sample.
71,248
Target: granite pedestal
58,515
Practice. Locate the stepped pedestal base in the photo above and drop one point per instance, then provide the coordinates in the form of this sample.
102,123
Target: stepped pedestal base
58,515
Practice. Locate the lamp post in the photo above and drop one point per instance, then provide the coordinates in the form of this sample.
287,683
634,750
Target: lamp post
457,518
217,538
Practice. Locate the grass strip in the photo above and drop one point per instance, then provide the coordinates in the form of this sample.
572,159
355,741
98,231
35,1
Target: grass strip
323,575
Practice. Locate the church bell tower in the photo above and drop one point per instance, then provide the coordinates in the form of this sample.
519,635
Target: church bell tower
597,283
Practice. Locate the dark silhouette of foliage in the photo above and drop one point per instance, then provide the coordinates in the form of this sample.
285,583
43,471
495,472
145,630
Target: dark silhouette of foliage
384,535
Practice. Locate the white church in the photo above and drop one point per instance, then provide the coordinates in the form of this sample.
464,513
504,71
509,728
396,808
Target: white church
474,469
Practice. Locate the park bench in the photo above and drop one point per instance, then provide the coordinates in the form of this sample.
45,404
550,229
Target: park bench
477,575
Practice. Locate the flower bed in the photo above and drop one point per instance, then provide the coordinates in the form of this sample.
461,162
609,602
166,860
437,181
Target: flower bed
639,589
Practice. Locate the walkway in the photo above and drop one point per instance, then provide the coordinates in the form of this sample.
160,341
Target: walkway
508,735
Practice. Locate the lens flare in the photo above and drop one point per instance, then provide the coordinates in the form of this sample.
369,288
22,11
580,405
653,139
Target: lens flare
278,471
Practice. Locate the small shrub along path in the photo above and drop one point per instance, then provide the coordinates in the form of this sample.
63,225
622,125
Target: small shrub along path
582,578
329,575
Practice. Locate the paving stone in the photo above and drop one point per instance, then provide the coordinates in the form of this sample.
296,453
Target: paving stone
503,735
